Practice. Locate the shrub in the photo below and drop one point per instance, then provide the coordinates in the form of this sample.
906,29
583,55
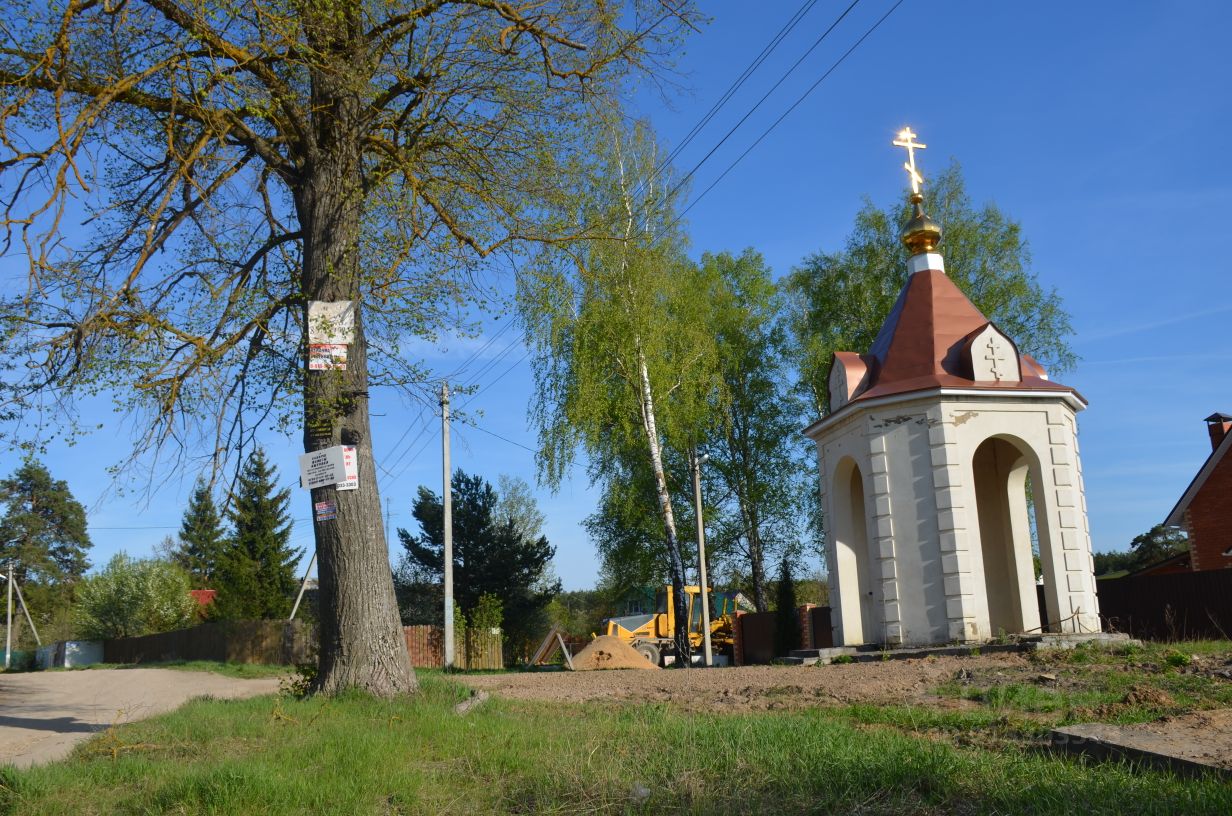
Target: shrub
132,597
1177,659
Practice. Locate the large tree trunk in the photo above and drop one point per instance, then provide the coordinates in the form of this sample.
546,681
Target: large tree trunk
679,604
362,645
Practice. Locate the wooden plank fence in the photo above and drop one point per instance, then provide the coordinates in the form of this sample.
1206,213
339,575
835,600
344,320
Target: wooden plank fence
283,643
270,642
1176,606
472,650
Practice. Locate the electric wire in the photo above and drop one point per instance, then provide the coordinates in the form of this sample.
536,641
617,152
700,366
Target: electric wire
749,70
787,112
766,95
736,85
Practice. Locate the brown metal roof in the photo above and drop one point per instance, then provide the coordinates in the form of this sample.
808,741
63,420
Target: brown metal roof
920,344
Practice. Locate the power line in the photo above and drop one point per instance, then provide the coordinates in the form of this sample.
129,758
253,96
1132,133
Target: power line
785,113
498,358
394,447
498,436
685,179
425,424
474,355
767,94
736,85
749,70
414,457
519,362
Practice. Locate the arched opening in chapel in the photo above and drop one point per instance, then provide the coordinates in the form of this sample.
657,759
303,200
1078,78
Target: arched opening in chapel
859,593
1004,470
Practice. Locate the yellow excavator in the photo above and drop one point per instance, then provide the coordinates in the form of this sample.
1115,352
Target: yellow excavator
652,634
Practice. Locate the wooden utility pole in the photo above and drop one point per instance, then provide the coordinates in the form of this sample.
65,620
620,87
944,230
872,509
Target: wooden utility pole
8,623
26,611
387,503
303,585
704,597
447,508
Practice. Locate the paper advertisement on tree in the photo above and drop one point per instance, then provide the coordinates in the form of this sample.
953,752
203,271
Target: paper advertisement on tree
331,322
350,469
321,468
327,356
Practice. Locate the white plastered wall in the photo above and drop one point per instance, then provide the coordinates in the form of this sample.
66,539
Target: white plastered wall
843,448
915,458
1045,430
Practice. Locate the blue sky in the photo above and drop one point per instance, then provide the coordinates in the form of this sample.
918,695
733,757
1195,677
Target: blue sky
1101,127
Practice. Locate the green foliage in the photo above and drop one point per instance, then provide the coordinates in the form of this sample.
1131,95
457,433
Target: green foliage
629,305
625,364
1177,659
786,619
759,480
1155,545
581,612
242,671
43,534
203,541
1158,544
516,504
843,660
488,614
627,532
132,597
255,575
1110,562
839,300
491,557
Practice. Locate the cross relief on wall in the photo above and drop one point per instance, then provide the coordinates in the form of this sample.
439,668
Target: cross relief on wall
993,357
996,359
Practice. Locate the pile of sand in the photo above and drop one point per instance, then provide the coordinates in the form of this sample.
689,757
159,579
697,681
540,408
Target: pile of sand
608,652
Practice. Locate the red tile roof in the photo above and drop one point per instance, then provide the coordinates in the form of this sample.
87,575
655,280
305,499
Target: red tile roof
920,344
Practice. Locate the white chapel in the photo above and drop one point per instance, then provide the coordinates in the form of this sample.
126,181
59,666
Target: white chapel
933,437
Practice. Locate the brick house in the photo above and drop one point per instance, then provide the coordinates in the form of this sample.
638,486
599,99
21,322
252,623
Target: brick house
1205,509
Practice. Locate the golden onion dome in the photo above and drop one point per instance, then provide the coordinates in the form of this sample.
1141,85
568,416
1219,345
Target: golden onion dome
921,233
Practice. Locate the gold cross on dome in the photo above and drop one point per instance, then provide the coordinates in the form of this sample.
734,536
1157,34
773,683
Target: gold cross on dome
907,139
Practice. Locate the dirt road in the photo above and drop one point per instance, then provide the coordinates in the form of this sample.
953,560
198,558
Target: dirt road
752,687
44,714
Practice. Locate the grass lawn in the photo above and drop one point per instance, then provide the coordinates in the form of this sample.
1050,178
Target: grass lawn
355,755
1129,684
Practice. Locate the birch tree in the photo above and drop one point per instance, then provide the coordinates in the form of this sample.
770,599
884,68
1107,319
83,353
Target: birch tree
624,363
758,477
184,177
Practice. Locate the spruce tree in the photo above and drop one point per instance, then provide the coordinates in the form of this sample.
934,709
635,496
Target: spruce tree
491,555
255,577
202,538
786,618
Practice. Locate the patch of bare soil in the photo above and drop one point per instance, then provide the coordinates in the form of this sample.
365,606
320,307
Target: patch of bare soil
751,688
607,652
1200,736
1205,736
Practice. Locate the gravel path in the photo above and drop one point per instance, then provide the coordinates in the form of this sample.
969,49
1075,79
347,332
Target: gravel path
44,714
